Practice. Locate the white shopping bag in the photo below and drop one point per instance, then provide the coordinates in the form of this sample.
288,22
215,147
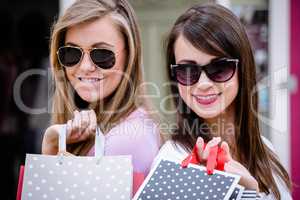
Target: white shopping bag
78,177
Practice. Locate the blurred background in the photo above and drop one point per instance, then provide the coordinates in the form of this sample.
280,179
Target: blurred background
24,39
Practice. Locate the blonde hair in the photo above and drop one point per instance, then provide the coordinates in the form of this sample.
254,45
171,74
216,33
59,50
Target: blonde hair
125,99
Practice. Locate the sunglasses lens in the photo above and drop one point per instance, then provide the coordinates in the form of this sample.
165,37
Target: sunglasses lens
69,56
187,74
103,58
221,71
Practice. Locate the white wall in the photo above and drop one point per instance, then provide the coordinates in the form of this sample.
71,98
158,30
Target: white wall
279,74
225,3
279,117
64,4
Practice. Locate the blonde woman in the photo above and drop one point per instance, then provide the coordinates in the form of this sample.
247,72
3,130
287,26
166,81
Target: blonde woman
96,64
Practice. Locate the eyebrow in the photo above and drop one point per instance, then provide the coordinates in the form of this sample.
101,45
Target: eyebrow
98,44
187,61
194,62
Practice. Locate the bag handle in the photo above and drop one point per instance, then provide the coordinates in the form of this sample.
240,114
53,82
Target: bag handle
216,159
99,141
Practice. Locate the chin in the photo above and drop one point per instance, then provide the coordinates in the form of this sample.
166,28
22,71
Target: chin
88,96
208,114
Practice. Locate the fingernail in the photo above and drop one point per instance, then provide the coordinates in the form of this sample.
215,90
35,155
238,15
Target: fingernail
218,139
199,140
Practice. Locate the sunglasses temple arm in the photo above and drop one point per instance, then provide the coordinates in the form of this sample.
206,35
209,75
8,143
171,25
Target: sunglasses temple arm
172,70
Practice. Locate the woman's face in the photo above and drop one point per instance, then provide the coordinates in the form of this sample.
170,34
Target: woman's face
91,82
206,98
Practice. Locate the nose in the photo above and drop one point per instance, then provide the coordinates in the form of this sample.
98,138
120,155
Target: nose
86,63
204,83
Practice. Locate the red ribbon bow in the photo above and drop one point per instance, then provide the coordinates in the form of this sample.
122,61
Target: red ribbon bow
216,159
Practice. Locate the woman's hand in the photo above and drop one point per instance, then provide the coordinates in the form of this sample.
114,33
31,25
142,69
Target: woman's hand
50,140
80,128
231,165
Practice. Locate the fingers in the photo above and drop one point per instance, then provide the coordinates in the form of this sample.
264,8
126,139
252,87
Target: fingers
90,129
71,135
235,167
80,121
227,155
85,120
247,180
65,153
73,127
69,128
212,159
82,126
50,140
215,141
200,146
76,122
229,167
93,121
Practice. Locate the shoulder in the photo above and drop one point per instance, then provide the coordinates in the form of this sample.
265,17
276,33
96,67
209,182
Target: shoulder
138,130
137,135
137,114
284,192
137,124
137,119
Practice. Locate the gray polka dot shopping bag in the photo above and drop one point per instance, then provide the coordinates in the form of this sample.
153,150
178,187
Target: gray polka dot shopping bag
173,179
77,177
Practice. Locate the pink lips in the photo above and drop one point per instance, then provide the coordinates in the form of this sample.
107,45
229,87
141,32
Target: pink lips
206,99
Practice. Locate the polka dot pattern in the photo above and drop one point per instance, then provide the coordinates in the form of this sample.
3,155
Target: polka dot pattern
169,181
236,194
77,178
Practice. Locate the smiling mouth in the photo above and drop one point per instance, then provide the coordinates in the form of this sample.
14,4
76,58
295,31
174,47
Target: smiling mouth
207,99
90,80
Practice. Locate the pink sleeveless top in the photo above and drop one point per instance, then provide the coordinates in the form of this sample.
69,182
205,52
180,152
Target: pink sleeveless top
138,136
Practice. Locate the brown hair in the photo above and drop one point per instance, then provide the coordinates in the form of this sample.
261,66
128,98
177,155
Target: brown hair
214,30
125,99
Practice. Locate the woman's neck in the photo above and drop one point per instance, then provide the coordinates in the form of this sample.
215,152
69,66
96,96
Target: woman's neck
80,103
223,125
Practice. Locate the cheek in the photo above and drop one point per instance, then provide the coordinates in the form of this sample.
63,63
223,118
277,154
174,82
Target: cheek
121,61
229,92
185,94
70,74
113,78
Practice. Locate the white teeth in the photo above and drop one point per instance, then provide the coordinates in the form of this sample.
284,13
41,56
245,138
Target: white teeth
89,80
207,97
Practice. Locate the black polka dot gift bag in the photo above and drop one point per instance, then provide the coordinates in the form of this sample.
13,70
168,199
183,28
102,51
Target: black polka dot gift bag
172,179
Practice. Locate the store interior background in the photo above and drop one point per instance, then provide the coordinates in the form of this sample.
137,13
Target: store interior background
24,37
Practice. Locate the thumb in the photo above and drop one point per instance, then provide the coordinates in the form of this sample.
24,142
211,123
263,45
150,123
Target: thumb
65,153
